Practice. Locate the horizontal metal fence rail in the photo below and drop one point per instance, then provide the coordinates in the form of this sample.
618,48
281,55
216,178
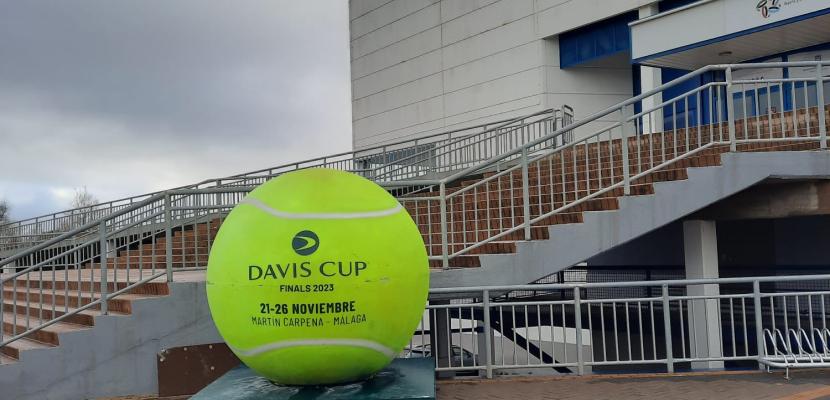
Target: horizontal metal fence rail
535,181
130,245
92,264
428,156
564,328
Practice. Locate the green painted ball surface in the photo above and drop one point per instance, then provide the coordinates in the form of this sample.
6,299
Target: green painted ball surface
317,277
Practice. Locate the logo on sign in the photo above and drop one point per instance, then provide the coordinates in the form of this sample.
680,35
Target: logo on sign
767,7
305,243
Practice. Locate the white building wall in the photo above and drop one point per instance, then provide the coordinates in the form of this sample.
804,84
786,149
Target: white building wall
425,66
587,89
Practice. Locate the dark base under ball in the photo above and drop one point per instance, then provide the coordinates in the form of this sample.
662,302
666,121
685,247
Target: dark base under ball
403,379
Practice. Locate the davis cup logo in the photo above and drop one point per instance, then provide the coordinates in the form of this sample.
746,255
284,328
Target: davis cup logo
767,7
305,243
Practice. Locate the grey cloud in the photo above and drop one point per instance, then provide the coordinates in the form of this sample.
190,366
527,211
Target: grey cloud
130,96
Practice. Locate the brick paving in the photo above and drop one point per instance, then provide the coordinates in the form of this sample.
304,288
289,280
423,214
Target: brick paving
805,385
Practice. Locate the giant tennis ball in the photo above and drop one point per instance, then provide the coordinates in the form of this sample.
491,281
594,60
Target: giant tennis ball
317,277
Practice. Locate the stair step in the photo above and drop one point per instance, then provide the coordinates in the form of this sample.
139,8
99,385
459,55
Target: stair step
158,258
120,304
35,309
14,349
4,359
88,284
463,261
16,324
148,250
159,266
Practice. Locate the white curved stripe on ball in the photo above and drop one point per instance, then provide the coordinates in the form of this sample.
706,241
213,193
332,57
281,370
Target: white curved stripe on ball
366,344
290,215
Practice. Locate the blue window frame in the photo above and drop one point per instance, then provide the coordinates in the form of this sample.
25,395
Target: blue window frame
598,40
704,107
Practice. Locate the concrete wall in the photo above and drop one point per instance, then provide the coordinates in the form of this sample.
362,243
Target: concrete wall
588,88
743,246
424,66
117,357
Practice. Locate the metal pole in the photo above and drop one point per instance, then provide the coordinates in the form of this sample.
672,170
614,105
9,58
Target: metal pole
445,258
525,193
730,110
102,235
667,328
759,332
168,234
822,123
580,359
624,147
488,334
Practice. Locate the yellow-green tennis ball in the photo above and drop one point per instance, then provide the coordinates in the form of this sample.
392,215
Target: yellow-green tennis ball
317,277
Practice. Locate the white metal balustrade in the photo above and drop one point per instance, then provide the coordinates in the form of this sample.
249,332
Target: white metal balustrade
575,327
538,180
428,156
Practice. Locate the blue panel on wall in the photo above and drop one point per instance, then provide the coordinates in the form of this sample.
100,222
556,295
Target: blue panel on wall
666,5
595,41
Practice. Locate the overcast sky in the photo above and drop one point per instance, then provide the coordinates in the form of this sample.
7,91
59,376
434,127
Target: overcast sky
127,97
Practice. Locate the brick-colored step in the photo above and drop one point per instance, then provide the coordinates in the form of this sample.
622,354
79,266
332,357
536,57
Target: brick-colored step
87,285
463,261
34,309
121,303
14,324
4,359
14,349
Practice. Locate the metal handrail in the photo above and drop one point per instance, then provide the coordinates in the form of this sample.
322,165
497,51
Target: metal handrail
154,217
630,284
77,230
289,165
356,155
67,254
626,131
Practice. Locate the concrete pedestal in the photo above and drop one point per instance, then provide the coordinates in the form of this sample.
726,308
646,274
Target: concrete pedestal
404,379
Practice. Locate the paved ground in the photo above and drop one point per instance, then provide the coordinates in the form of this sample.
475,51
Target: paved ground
805,385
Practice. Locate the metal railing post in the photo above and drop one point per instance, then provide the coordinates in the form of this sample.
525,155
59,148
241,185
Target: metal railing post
102,236
525,194
580,358
667,328
217,198
730,111
624,146
759,331
442,199
488,334
168,234
822,122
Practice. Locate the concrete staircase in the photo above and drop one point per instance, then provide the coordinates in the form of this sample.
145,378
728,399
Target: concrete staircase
54,294
562,178
88,353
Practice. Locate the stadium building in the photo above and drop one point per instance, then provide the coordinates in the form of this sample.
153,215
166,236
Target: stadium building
600,186
421,67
